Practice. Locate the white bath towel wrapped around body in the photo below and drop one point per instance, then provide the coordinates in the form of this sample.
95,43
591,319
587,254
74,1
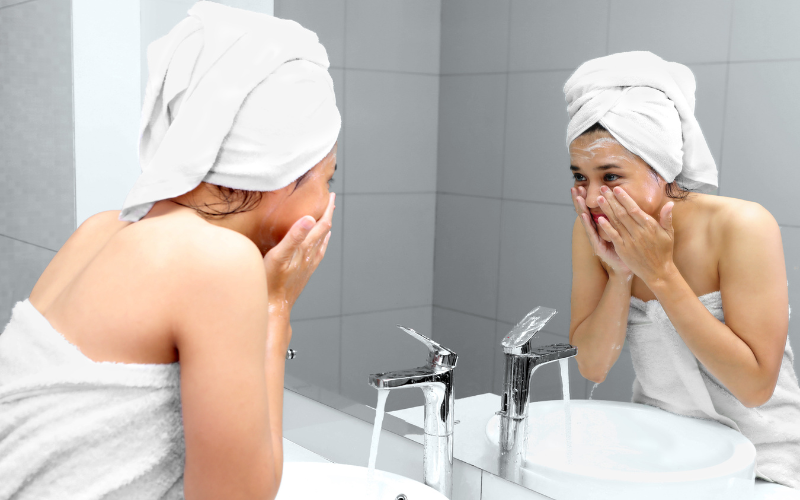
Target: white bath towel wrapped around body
670,377
71,427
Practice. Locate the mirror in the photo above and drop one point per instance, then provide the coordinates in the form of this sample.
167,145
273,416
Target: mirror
453,216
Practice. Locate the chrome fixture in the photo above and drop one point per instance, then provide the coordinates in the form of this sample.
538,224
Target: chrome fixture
435,379
521,360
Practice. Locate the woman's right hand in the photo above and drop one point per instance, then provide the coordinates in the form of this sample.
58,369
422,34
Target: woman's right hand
291,262
602,249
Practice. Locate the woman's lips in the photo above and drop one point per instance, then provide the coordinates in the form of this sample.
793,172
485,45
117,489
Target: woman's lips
597,216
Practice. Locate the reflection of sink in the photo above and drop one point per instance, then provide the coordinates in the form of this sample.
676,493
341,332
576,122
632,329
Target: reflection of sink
628,448
307,480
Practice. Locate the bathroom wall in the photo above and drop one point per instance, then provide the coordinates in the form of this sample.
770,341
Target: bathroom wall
453,214
378,270
504,215
37,174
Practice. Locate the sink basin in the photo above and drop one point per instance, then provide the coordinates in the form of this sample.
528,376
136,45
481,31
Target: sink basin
308,480
620,450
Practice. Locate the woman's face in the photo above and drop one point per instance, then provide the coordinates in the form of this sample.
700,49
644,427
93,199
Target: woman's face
309,195
597,159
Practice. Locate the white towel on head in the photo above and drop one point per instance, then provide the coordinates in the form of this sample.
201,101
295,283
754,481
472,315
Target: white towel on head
647,104
234,98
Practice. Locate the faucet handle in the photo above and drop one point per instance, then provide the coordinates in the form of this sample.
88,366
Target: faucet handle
517,340
439,355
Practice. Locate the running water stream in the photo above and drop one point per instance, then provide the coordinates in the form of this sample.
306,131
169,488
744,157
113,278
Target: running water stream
376,430
592,391
567,410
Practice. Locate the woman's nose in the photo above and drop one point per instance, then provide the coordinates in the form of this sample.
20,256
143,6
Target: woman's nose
591,196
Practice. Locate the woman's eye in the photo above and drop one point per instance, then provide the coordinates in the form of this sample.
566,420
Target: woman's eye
578,177
611,177
331,181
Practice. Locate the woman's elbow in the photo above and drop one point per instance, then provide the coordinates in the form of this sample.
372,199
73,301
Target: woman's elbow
758,397
594,374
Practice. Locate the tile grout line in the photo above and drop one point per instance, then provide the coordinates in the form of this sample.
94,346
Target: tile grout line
725,101
72,95
438,150
573,68
393,71
27,243
608,27
384,193
549,70
344,201
453,309
21,2
517,200
502,184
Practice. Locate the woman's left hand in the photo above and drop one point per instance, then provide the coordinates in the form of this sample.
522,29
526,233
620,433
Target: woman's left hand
289,264
644,244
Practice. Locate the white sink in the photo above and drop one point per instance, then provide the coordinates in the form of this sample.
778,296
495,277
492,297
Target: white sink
623,450
311,480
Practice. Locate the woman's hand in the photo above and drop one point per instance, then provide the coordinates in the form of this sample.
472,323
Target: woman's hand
603,249
291,262
643,244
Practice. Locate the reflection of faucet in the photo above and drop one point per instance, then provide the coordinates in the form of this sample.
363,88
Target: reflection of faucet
521,360
436,381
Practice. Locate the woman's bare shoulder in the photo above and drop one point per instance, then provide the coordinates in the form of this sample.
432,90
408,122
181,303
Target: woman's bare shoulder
191,257
727,217
734,216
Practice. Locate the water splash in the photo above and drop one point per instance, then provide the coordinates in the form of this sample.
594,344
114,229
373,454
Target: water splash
592,391
376,430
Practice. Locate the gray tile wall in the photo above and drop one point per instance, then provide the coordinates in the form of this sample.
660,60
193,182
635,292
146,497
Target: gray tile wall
378,271
504,216
37,173
453,215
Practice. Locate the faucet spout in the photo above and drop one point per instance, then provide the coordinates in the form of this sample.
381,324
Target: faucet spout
436,381
521,360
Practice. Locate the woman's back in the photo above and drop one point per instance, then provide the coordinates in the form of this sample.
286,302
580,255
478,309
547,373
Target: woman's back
72,422
122,304
111,290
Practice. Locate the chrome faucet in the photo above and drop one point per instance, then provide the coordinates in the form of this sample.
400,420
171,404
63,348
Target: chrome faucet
521,360
435,379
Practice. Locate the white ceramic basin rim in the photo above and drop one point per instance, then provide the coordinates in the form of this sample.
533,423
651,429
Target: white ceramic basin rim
624,443
309,480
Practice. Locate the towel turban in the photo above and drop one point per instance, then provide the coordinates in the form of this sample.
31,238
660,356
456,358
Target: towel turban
647,104
234,98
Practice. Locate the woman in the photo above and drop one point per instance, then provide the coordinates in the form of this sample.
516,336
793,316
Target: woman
655,261
148,360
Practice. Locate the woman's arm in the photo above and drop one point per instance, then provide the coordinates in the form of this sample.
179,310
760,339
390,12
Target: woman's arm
601,293
746,351
232,333
221,332
279,329
288,266
598,309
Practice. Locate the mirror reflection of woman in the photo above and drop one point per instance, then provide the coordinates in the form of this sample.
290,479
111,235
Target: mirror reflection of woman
656,260
148,361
